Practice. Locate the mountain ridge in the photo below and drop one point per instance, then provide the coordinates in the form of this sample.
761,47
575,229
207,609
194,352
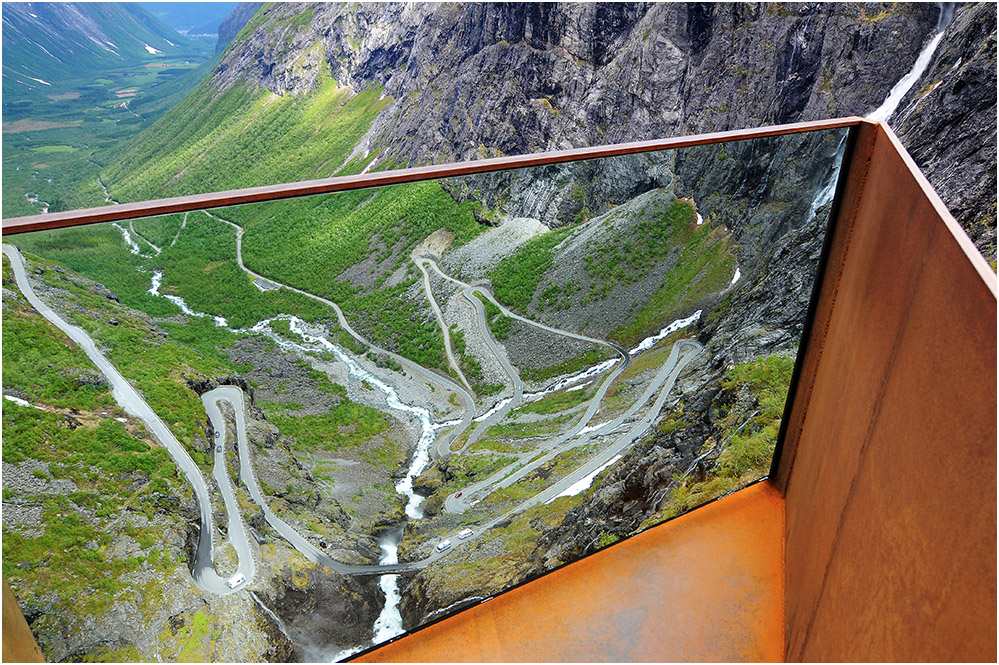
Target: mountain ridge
473,81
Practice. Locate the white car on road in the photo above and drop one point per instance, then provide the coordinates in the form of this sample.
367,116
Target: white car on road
465,533
443,545
236,580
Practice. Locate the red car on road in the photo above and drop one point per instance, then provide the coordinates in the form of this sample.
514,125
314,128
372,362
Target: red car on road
458,495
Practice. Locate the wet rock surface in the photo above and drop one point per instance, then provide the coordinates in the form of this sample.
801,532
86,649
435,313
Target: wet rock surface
320,611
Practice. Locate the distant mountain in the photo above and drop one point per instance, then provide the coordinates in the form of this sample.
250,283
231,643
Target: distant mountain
191,18
44,42
233,23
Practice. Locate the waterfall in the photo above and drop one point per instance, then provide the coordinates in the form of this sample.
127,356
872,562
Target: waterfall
900,89
389,622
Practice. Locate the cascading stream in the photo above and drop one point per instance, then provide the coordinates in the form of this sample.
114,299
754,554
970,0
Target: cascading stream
389,622
900,89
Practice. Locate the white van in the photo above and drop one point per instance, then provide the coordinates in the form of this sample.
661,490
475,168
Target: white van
465,533
236,580
443,545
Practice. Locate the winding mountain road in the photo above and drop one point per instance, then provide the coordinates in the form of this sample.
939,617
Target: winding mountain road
132,402
445,331
416,369
203,570
664,381
234,396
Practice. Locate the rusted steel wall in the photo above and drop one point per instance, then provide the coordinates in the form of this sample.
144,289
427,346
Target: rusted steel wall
890,462
19,644
707,586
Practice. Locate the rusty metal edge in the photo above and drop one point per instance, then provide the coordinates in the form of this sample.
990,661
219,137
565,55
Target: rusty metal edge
452,614
960,235
193,202
855,159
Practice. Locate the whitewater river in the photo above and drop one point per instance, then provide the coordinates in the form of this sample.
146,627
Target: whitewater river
389,622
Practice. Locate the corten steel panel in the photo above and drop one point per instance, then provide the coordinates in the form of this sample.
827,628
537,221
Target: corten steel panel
19,644
707,586
891,498
852,175
124,211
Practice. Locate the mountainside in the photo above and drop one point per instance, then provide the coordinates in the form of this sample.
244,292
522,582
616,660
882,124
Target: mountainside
78,78
543,360
45,42
473,81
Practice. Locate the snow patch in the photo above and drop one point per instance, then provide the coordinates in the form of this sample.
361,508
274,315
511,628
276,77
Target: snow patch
152,50
18,400
737,276
649,342
583,484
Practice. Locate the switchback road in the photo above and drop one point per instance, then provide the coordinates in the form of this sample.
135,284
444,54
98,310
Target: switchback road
133,403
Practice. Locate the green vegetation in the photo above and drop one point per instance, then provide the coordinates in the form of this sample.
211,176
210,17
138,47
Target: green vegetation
499,323
464,470
387,455
704,266
515,542
202,269
558,297
563,400
121,477
543,477
54,148
347,425
745,446
159,230
155,366
580,362
629,258
536,428
31,347
259,137
192,641
341,230
99,253
516,278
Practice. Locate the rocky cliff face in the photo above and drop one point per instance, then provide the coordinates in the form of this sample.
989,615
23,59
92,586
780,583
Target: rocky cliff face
475,80
947,122
469,81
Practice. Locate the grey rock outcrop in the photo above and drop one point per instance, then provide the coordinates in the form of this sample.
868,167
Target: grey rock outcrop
948,122
470,81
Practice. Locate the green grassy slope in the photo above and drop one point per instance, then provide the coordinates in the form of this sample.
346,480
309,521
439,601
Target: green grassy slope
246,137
241,138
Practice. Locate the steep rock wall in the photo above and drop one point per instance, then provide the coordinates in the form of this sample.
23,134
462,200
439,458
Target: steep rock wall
471,81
